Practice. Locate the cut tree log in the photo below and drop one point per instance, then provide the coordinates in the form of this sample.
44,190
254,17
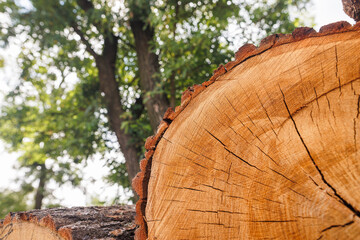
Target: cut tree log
78,223
268,148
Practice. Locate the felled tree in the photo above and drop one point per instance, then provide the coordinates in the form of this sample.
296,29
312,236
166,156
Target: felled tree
268,148
115,222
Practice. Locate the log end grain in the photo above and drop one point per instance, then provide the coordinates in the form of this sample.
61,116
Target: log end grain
242,55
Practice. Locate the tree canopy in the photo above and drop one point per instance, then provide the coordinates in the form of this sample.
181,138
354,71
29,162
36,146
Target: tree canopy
98,75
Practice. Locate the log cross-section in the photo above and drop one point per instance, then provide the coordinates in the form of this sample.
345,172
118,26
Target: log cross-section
270,148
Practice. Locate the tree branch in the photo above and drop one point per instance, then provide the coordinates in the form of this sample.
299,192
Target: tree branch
84,41
85,4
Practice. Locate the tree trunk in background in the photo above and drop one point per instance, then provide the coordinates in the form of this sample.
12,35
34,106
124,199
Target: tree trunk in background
172,91
110,88
39,196
156,103
271,148
78,223
106,63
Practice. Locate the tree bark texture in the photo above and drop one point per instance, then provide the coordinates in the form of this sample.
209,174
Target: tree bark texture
106,63
156,103
110,88
39,196
352,8
268,148
78,223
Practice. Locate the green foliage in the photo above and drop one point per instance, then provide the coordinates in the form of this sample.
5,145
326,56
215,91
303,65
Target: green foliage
95,201
12,201
190,34
56,115
52,119
190,39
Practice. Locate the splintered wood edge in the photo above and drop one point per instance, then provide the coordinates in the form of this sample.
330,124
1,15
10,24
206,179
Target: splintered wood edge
141,180
46,222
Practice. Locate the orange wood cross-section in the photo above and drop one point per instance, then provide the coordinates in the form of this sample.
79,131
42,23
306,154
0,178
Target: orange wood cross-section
269,148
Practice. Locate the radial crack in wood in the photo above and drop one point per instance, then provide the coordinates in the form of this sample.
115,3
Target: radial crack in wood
269,149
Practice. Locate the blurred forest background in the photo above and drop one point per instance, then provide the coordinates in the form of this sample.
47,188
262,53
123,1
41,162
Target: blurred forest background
96,76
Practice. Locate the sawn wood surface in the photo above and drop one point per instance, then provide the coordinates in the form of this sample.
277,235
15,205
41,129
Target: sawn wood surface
268,149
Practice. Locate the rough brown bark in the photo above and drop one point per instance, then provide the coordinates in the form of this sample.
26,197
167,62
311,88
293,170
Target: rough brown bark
78,223
106,63
155,103
110,88
172,91
39,196
352,8
268,149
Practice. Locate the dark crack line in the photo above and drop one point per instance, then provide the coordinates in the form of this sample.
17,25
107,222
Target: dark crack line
262,105
250,179
167,140
220,170
224,113
273,221
191,160
242,122
299,194
229,173
317,98
312,118
225,147
270,200
232,196
336,226
154,220
315,182
243,160
267,155
321,96
221,112
306,217
282,175
215,138
355,133
212,187
358,108
283,44
173,200
10,226
263,184
343,201
337,68
256,127
230,212
202,211
328,102
186,188
207,223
